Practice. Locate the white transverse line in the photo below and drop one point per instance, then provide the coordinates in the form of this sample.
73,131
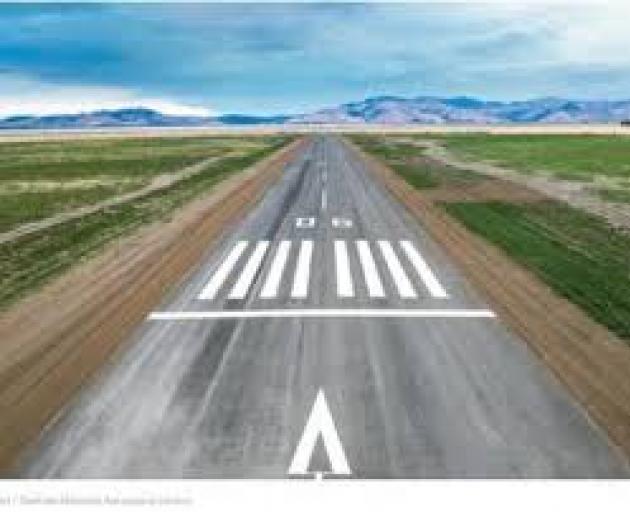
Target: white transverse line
405,289
323,313
219,277
270,289
342,265
424,271
372,280
302,270
249,272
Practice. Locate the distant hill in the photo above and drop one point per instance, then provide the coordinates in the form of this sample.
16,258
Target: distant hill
102,118
130,117
426,109
380,109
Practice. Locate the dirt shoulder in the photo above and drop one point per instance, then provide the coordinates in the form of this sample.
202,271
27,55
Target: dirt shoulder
592,363
55,340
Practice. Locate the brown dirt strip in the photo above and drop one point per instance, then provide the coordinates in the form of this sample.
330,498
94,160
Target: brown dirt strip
161,182
483,188
592,363
54,341
488,190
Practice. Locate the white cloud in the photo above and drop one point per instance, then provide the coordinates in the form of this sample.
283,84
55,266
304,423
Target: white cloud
21,95
582,32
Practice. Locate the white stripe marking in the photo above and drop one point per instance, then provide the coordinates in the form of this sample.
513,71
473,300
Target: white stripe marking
323,313
270,289
249,272
324,199
345,287
372,279
320,421
424,271
219,277
302,270
405,289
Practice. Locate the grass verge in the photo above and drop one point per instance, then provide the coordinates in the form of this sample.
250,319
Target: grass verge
614,195
41,179
570,157
407,160
578,255
29,262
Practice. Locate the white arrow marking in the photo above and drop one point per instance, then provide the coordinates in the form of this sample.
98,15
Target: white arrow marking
319,422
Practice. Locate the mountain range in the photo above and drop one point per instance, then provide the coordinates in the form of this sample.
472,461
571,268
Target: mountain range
377,110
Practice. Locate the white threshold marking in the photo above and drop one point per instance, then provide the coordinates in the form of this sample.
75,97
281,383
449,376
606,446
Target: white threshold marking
405,289
219,277
423,270
302,270
323,313
249,272
345,287
270,289
320,422
372,279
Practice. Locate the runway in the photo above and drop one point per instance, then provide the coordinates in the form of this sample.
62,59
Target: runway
325,336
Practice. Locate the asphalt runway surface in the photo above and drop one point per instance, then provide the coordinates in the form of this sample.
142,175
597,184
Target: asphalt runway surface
325,336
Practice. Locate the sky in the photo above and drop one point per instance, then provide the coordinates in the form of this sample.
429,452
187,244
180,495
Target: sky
266,58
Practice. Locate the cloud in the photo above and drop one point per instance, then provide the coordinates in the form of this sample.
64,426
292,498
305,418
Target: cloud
296,57
20,95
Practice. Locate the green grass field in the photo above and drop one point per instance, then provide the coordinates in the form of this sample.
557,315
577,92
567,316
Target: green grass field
29,262
578,157
40,179
615,195
406,160
578,255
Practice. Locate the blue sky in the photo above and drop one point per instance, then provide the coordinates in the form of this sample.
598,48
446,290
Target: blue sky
273,58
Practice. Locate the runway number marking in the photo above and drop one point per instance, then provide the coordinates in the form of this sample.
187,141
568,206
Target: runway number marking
340,222
320,422
305,222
